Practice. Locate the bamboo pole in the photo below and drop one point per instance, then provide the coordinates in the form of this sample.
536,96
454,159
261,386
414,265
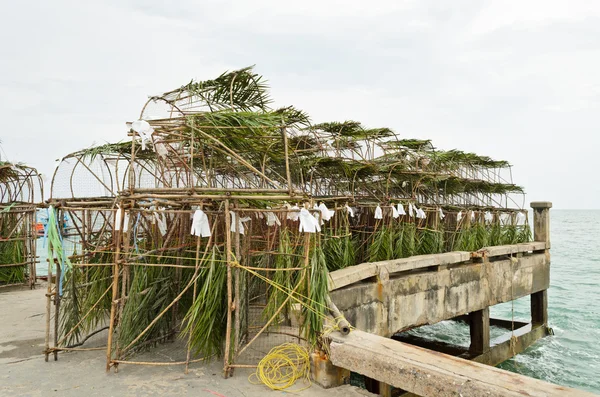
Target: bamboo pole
188,355
57,298
178,271
158,364
212,197
287,161
227,354
48,305
115,292
238,314
187,190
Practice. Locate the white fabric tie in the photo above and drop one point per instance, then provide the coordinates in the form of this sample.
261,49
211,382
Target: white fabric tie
350,210
326,213
118,218
488,217
126,221
378,213
272,219
308,223
401,209
161,221
410,210
294,214
200,225
235,222
395,213
459,216
420,213
160,148
143,128
442,216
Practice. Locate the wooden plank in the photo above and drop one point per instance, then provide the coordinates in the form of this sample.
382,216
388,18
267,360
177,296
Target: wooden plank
432,374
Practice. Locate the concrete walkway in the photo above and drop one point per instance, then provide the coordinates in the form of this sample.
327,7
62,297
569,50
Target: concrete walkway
25,373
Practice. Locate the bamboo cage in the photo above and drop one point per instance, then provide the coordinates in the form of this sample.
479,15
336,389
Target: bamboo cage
252,183
21,188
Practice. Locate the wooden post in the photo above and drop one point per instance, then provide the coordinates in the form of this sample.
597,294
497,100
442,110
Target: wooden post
479,323
541,232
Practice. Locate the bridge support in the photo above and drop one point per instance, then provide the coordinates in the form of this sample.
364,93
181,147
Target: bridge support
388,297
479,324
541,232
325,373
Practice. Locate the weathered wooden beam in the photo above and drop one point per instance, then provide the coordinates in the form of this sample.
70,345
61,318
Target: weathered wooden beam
431,374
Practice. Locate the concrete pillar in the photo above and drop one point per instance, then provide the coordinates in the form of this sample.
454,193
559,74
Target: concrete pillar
541,232
325,373
479,324
541,221
376,387
539,307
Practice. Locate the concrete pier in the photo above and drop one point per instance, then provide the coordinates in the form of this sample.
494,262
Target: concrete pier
382,299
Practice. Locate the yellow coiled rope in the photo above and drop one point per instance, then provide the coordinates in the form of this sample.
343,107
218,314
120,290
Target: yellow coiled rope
282,367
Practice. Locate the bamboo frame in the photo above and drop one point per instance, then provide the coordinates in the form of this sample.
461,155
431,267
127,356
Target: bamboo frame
189,163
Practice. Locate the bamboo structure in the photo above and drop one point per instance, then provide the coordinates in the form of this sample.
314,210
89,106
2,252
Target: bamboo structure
21,188
273,203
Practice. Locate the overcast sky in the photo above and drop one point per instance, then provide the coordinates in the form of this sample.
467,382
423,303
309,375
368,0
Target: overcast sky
513,79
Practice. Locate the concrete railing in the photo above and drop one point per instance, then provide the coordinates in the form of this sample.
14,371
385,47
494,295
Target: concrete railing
344,277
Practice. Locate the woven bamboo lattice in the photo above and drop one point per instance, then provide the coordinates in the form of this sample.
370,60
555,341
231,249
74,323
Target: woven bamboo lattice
20,191
216,150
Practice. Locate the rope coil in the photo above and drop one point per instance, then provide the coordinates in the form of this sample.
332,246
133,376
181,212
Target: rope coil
282,367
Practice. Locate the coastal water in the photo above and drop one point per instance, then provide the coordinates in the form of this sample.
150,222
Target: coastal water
572,356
